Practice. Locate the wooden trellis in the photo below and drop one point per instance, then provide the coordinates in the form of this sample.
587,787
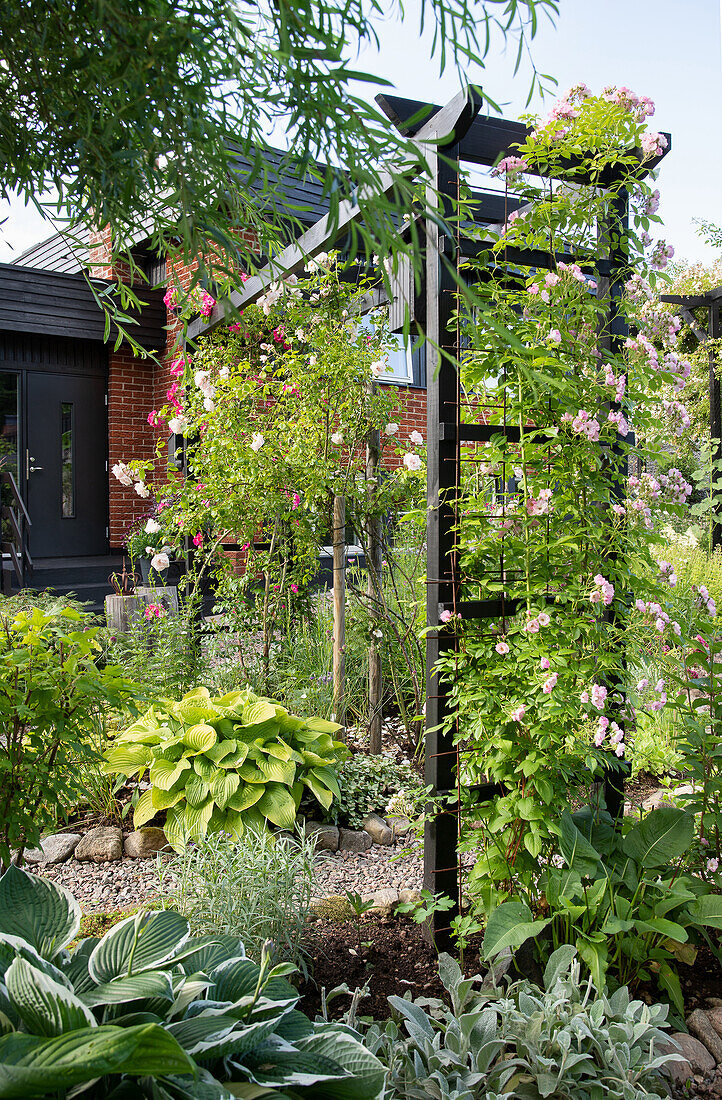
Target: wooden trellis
453,136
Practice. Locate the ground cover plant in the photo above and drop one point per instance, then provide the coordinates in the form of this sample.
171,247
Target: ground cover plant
148,1010
225,763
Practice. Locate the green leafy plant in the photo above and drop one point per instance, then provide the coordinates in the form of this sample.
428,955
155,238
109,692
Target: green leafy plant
564,1040
51,689
621,898
259,888
425,906
367,783
150,1011
360,908
227,762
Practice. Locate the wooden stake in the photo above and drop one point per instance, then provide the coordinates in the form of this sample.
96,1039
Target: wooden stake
339,611
373,571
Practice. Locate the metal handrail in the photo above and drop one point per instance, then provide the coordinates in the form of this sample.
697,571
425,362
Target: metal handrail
16,520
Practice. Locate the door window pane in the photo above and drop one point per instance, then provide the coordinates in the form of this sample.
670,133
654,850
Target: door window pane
9,426
66,446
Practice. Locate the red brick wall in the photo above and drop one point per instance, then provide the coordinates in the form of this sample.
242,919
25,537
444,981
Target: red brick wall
136,386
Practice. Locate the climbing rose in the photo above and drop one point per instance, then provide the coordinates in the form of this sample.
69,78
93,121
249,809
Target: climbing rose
391,429
501,647
198,539
412,462
257,441
153,418
122,473
142,489
160,562
712,865
446,616
152,527
544,664
337,438
518,714
416,438
550,683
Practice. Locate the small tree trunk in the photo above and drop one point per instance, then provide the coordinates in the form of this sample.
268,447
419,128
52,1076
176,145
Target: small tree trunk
339,611
373,571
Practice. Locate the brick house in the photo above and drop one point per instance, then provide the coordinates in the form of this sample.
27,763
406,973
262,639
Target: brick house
71,405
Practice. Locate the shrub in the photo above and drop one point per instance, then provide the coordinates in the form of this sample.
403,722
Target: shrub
366,785
226,763
258,888
151,1011
51,690
562,1041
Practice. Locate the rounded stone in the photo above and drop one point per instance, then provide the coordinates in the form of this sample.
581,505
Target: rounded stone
325,836
53,849
353,840
101,845
378,830
145,842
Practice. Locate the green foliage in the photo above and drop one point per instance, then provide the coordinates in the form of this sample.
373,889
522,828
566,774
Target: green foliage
149,1010
367,783
51,691
563,1040
258,888
226,763
622,899
160,653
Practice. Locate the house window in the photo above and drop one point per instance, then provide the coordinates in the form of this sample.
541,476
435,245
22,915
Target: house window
66,459
400,369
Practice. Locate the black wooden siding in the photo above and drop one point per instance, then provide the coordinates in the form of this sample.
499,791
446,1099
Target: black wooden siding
56,304
57,354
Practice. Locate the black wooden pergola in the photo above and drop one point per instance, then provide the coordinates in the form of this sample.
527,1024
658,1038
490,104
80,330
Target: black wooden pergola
711,301
451,137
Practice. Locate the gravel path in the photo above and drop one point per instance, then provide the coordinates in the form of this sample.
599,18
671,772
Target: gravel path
100,887
376,869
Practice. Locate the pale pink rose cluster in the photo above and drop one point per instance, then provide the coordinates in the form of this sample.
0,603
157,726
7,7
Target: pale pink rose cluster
532,626
640,107
653,144
446,616
613,730
676,411
583,424
502,647
660,616
661,254
667,573
510,166
550,683
619,419
619,385
541,505
603,592
598,696
650,205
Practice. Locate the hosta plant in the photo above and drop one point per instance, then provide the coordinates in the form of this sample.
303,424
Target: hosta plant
223,763
564,1041
151,1011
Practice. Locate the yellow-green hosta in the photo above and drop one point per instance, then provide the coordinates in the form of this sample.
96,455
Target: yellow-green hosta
221,763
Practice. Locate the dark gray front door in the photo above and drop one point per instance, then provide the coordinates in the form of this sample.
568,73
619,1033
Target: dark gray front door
67,483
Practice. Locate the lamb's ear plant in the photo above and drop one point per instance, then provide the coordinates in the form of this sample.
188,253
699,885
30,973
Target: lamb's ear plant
564,1040
225,763
150,1011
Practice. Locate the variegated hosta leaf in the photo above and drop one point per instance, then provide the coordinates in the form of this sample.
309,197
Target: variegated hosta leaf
45,1007
223,787
43,912
140,942
200,737
246,796
164,773
196,790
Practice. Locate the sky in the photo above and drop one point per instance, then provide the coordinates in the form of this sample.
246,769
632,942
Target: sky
669,50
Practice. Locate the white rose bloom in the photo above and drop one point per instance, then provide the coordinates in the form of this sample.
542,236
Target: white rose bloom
257,441
223,372
142,489
150,550
391,429
337,438
416,438
412,462
378,368
312,360
200,378
160,562
208,405
152,527
121,472
269,299
178,425
300,334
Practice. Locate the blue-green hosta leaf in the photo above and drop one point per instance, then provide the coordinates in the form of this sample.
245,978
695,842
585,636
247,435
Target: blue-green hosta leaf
164,773
136,987
140,942
220,750
42,912
33,1067
197,818
76,969
45,1007
223,787
661,837
200,737
277,805
208,952
12,947
202,1087
196,789
366,1074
